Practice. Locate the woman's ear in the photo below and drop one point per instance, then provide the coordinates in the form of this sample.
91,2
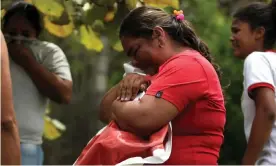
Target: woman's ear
259,33
159,34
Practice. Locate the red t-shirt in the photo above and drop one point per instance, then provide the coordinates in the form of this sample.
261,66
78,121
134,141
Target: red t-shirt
190,82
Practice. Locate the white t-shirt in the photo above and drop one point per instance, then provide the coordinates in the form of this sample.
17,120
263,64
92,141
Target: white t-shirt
259,70
29,104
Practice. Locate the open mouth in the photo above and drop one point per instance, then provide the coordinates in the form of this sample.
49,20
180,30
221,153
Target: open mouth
234,45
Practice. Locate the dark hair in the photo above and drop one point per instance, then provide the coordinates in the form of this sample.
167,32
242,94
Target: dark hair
141,21
257,15
29,11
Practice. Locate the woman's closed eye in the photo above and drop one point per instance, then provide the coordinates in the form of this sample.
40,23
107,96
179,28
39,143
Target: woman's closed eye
133,51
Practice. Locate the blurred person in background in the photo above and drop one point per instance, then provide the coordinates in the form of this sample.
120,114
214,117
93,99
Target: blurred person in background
183,88
39,71
253,37
10,145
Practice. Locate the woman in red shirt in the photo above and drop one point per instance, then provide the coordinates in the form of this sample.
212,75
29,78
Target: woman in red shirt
184,87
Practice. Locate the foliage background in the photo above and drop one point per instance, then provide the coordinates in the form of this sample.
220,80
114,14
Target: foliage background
86,30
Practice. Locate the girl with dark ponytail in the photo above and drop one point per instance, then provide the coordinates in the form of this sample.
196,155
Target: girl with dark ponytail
253,37
184,89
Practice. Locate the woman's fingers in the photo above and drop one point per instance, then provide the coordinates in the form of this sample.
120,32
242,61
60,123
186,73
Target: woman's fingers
144,87
130,86
135,88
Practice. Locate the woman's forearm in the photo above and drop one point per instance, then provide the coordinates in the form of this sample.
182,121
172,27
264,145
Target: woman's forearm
10,144
10,154
106,103
49,84
260,133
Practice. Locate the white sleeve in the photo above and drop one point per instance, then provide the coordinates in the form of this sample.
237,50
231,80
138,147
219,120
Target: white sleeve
56,62
257,72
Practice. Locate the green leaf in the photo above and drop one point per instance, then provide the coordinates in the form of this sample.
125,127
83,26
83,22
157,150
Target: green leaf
50,130
77,67
108,3
109,16
3,12
98,26
89,39
118,46
50,8
169,9
69,6
113,27
220,20
58,125
131,4
163,3
58,30
63,20
5,4
95,13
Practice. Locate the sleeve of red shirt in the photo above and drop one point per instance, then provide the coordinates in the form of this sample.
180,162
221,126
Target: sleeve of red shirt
181,81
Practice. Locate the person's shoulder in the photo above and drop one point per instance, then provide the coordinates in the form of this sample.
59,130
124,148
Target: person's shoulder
193,59
258,57
186,57
3,44
254,55
49,46
50,49
4,50
183,62
188,54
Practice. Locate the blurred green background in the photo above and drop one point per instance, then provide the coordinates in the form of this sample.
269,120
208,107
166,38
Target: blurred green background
87,31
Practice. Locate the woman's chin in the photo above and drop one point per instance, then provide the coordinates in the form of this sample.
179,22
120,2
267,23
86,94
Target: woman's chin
237,54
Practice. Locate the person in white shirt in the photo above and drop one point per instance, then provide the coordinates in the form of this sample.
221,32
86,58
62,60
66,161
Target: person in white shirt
253,36
39,72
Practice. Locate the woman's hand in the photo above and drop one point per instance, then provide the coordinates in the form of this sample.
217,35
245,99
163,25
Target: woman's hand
130,86
262,125
19,53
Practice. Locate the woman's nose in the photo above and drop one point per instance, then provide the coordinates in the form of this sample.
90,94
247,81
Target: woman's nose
231,38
